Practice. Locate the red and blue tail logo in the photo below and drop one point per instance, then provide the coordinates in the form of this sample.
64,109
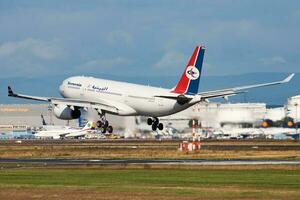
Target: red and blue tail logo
189,82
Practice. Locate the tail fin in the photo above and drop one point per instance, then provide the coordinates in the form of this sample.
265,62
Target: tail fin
89,126
189,81
43,120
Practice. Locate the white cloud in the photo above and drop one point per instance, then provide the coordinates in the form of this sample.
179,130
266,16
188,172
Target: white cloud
103,63
119,37
273,60
233,39
45,50
30,57
238,27
170,60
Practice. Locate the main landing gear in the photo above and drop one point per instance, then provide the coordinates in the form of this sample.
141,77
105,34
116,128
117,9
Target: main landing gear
103,124
154,122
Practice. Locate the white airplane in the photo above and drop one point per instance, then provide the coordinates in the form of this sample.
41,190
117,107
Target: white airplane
90,127
65,132
126,99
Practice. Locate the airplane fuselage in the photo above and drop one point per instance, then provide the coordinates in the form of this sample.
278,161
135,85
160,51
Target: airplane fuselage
135,99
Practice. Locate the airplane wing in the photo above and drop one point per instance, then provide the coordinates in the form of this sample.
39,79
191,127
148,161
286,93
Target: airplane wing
12,94
99,105
51,133
77,134
237,90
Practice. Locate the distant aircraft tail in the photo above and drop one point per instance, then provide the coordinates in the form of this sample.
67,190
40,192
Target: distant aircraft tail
189,81
43,120
89,126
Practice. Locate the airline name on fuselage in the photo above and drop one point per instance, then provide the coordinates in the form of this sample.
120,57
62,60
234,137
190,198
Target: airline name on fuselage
94,87
74,84
99,88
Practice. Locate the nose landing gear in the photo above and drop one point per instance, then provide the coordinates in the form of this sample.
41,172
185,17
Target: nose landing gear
154,122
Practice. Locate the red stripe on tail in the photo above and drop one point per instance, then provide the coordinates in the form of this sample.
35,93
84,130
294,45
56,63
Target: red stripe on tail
183,83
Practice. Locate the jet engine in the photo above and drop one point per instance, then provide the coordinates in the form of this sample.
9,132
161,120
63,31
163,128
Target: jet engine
181,99
66,113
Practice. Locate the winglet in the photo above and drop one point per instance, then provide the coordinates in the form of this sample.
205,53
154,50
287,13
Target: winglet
289,78
10,92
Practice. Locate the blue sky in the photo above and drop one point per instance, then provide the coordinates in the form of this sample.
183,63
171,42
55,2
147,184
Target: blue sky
128,38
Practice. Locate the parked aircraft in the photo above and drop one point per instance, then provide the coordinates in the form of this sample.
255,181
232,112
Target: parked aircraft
65,132
126,99
238,133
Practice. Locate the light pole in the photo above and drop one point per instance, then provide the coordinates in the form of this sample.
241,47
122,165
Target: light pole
296,117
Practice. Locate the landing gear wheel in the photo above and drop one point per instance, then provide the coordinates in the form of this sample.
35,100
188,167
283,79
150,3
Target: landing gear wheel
149,121
103,130
99,124
160,126
154,127
105,125
110,129
155,123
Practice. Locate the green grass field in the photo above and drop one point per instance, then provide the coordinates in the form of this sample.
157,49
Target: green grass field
202,183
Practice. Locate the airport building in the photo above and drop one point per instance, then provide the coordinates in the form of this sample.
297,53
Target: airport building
275,114
293,108
217,115
28,115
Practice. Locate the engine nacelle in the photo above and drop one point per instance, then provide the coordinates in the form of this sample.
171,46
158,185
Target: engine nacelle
66,113
181,99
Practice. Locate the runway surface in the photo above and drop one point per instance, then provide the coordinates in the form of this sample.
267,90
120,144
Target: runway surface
150,162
